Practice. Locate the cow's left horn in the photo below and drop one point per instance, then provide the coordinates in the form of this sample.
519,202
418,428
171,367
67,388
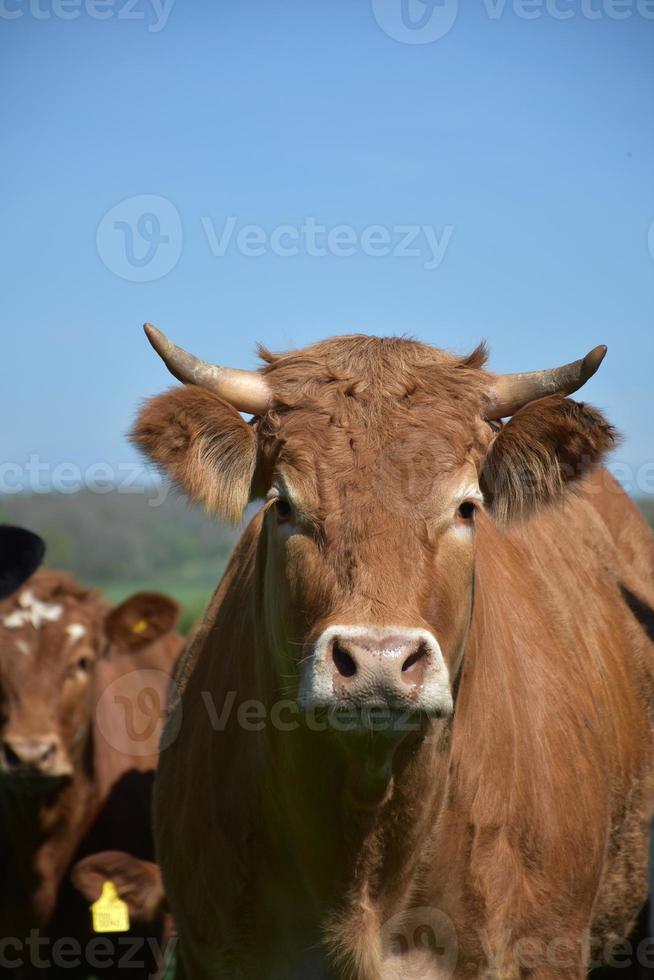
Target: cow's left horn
511,392
247,391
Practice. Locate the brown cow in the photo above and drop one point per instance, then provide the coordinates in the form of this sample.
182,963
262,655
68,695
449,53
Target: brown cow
415,731
74,776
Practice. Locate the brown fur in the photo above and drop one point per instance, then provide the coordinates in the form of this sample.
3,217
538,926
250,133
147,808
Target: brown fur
548,444
204,445
141,619
510,833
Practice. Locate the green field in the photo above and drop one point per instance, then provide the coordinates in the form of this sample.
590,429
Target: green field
122,544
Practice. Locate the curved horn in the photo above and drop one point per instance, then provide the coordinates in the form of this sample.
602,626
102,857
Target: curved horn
247,391
512,391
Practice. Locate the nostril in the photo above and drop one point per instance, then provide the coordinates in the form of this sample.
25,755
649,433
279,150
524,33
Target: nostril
343,661
415,663
9,757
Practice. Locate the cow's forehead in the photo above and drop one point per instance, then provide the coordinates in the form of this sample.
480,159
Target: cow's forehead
362,396
360,450
47,628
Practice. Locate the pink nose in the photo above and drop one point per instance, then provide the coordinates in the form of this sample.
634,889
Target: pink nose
371,666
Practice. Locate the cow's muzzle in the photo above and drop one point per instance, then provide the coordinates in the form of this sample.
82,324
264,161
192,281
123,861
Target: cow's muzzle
398,669
40,757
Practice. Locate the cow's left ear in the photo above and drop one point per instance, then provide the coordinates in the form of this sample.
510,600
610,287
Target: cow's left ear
141,619
548,445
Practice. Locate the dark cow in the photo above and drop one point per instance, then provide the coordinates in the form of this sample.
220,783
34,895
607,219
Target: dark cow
416,735
21,553
82,689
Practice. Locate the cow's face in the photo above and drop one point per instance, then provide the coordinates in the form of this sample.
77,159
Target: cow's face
59,647
376,460
369,552
49,638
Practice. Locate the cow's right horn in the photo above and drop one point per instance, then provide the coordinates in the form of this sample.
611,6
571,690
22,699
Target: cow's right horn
247,391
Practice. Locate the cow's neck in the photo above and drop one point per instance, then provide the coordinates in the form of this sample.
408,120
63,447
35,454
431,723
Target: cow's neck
39,832
345,813
283,800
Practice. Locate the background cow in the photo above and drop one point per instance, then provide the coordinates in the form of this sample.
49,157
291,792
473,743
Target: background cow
21,553
82,690
455,621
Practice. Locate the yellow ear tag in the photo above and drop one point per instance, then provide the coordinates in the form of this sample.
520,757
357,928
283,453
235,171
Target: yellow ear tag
141,626
110,913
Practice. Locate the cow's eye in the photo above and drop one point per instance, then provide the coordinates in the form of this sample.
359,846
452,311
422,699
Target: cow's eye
283,510
80,667
466,512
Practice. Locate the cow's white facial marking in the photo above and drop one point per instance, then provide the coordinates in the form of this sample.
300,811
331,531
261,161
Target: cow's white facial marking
32,612
75,632
23,648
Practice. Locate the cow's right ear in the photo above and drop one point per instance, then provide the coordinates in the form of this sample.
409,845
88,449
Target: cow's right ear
203,444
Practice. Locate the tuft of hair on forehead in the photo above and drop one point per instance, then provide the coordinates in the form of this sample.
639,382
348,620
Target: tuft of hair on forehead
373,369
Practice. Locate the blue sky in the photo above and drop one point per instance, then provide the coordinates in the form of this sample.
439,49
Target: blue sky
517,148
